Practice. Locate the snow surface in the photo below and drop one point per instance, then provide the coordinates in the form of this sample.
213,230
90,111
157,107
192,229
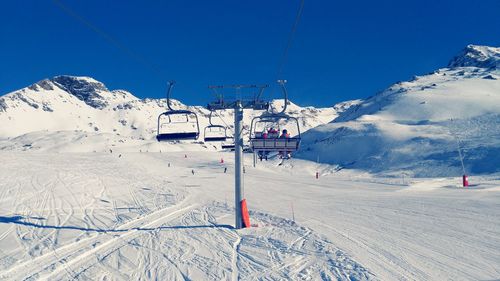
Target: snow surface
130,216
416,127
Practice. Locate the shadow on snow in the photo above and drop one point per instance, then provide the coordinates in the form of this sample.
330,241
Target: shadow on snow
20,220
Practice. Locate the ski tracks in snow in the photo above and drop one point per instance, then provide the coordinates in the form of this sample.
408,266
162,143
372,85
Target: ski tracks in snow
98,220
74,256
234,260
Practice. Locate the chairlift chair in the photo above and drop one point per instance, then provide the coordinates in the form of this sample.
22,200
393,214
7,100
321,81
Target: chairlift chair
228,143
270,119
228,146
165,130
274,144
214,132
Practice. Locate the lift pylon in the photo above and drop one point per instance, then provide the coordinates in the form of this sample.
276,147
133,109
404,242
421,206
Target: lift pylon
238,101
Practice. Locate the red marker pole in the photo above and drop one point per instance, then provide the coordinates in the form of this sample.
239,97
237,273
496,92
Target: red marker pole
465,180
222,160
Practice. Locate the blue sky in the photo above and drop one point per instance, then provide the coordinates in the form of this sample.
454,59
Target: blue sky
342,49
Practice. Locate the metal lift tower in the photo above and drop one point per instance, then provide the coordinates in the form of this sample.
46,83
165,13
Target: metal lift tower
238,101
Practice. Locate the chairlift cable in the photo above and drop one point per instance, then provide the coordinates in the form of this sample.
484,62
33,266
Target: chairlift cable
227,126
290,40
284,57
155,69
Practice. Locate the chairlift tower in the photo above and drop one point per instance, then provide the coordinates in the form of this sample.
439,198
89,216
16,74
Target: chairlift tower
238,101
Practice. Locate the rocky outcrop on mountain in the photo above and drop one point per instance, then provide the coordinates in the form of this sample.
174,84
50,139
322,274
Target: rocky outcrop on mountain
477,56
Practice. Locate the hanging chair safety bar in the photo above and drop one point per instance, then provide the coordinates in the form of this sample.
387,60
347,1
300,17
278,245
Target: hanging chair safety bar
165,120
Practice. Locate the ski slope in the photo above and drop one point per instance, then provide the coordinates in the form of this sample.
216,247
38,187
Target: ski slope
417,126
131,216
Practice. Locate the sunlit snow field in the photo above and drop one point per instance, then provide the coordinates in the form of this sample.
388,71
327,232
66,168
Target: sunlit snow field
130,216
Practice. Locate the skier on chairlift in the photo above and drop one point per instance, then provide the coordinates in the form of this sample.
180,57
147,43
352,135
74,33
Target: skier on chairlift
272,133
263,154
284,135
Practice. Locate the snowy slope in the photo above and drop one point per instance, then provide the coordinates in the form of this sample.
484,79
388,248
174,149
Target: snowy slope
95,216
413,127
68,113
145,216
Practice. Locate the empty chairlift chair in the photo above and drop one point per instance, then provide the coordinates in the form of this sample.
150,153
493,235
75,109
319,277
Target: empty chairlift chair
228,145
174,125
214,132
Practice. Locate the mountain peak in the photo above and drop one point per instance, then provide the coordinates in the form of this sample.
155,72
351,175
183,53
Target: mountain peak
477,56
84,88
79,79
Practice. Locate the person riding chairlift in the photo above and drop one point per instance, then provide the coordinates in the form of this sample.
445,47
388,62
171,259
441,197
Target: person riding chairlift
264,154
272,133
284,135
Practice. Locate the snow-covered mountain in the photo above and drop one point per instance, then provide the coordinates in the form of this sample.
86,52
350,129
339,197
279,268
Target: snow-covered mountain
68,113
413,127
416,127
477,56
